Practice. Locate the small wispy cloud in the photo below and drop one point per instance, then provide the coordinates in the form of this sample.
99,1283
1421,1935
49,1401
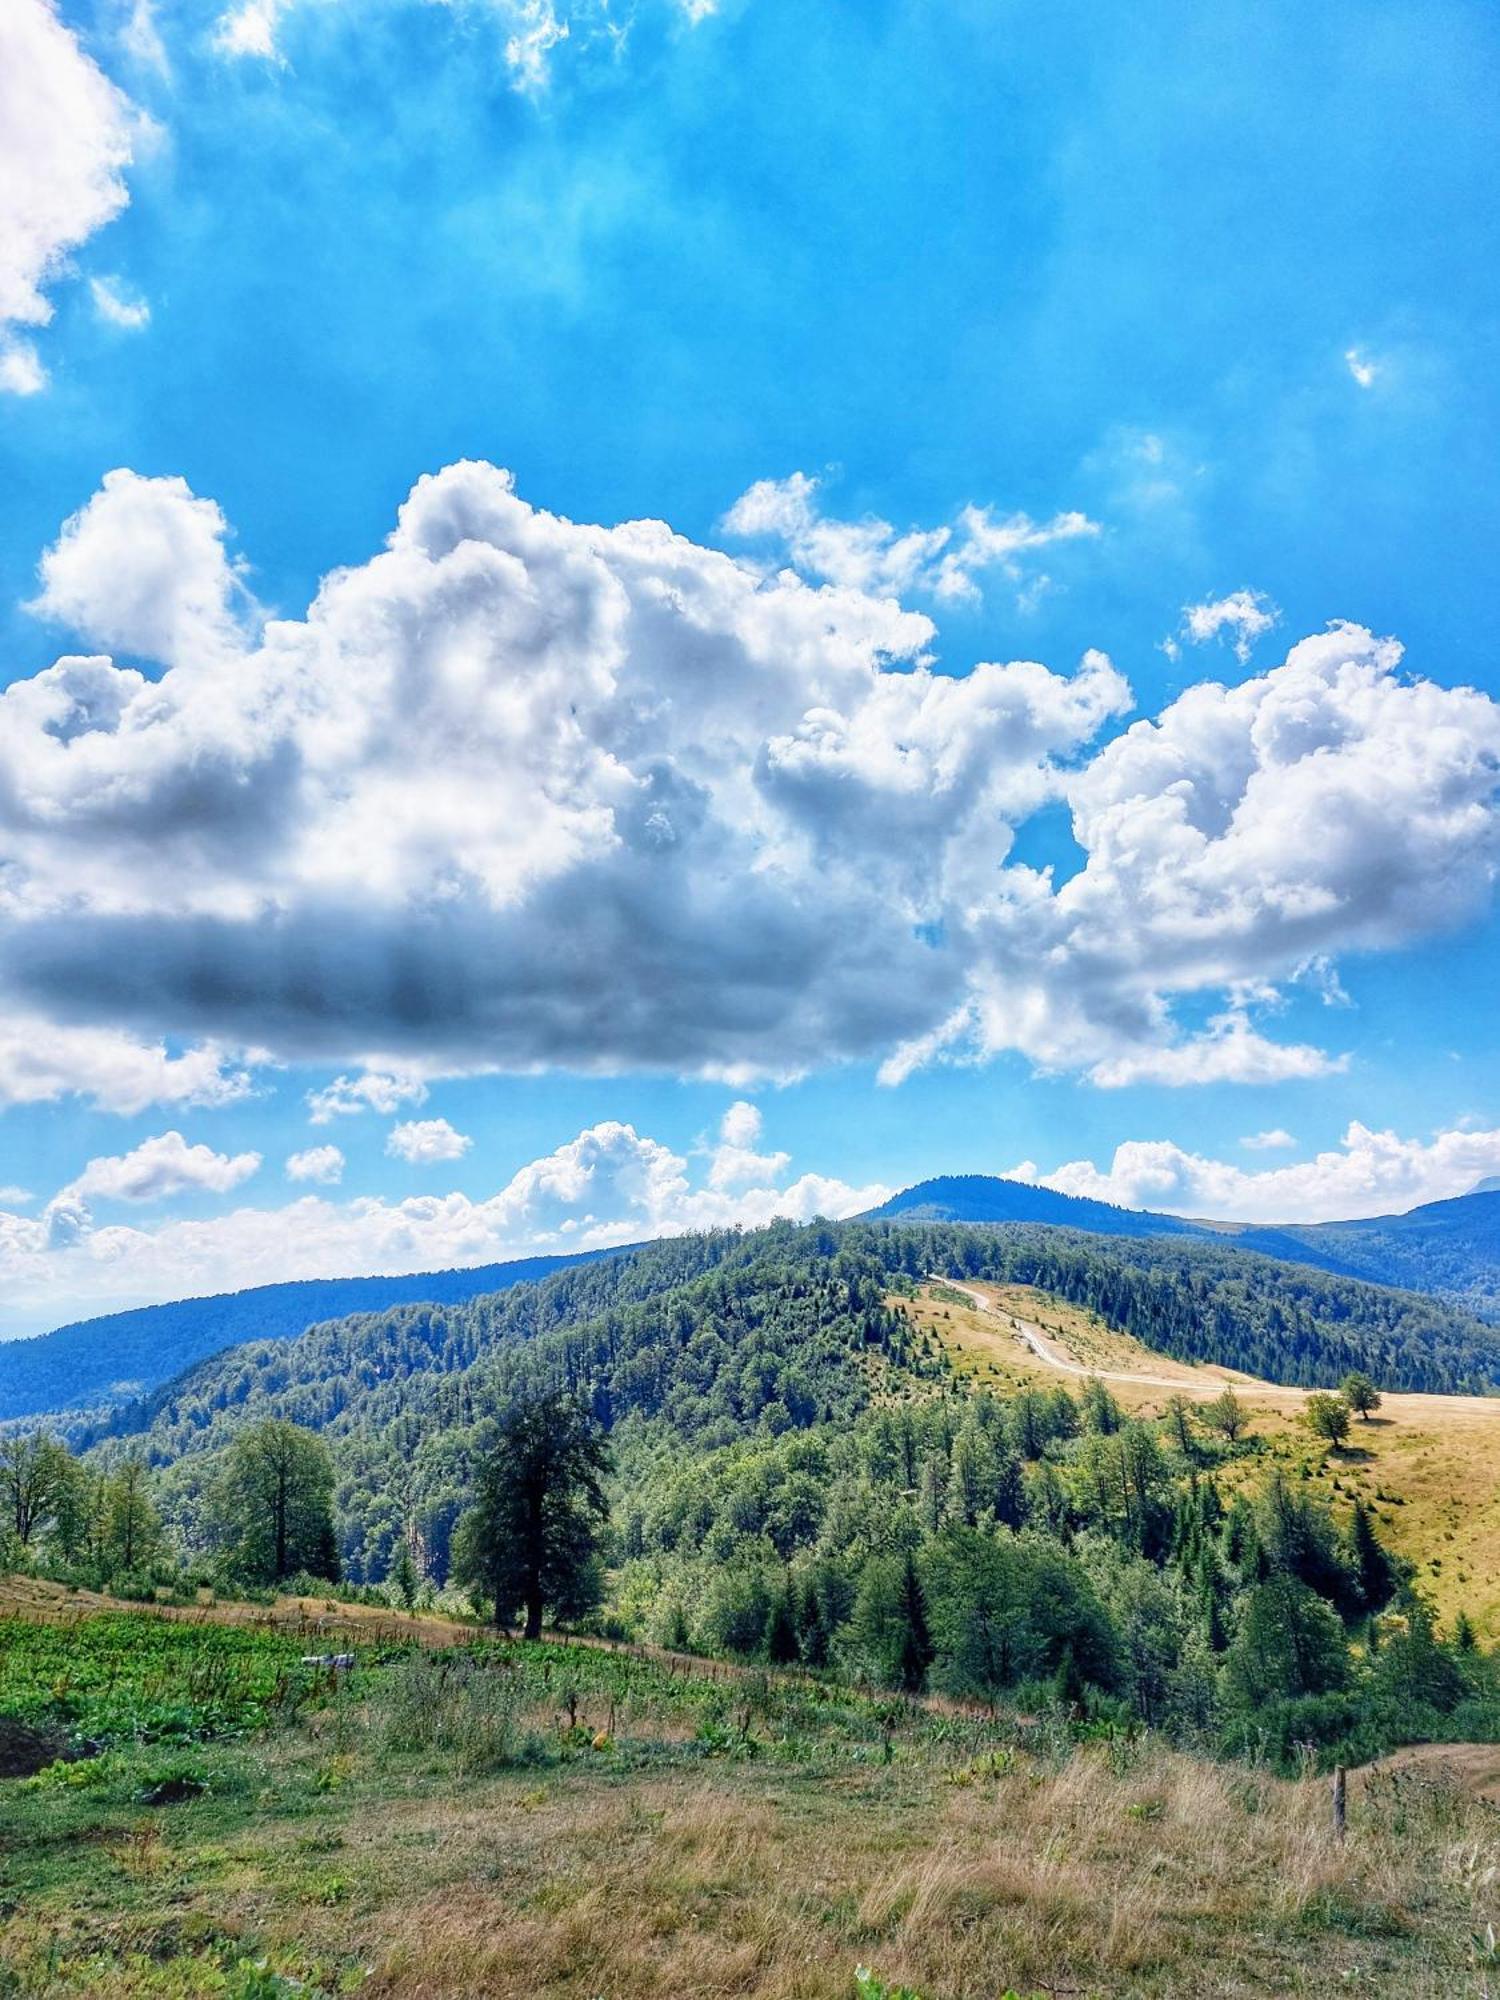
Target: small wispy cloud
1273,1141
117,307
870,554
1361,367
1244,614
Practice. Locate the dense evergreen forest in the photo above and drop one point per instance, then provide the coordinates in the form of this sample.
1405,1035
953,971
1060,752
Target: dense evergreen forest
1450,1249
795,1475
714,1338
92,1363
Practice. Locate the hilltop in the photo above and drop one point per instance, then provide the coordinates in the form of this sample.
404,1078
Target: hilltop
1450,1249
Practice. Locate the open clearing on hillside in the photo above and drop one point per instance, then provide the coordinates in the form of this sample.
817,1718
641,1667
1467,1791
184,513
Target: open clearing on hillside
1429,1466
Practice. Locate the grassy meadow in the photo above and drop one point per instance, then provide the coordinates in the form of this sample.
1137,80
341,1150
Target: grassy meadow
504,1820
1427,1465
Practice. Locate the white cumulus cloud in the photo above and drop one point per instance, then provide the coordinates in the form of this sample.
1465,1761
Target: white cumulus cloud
317,1163
43,1061
520,792
734,1161
161,1167
1273,1141
142,568
426,1142
66,136
1367,1173
609,1185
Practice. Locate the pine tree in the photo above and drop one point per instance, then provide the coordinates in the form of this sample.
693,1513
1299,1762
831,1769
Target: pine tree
404,1576
529,1540
782,1647
1375,1575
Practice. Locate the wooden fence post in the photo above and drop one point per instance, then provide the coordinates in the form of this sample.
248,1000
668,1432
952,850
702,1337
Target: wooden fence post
1340,1797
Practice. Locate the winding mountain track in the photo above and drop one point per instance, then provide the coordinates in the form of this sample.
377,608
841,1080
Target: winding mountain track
1032,1337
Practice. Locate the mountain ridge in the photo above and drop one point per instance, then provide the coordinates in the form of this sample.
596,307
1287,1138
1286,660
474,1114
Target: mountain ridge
1448,1249
92,1364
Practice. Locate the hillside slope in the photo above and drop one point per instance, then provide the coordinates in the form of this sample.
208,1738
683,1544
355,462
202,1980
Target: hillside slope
1450,1249
713,1338
92,1363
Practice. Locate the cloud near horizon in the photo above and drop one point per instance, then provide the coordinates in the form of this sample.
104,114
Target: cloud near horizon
610,1185
520,793
1368,1173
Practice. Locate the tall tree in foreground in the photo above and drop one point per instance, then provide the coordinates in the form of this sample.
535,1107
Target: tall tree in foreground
275,1504
528,1543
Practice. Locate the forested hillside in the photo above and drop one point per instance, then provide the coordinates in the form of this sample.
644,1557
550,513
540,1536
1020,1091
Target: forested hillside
709,1340
1199,1300
796,1473
95,1362
1448,1248
990,1198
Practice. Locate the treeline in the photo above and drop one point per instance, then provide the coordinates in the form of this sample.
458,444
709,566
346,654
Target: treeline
92,1365
727,1335
1038,1550
1199,1302
1046,1548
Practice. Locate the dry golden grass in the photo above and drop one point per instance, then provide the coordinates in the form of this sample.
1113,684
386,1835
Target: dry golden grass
1174,1879
1428,1465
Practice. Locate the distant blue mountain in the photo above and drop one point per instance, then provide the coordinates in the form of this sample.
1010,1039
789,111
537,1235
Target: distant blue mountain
93,1363
1450,1249
986,1198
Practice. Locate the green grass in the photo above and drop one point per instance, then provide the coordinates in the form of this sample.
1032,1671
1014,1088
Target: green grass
125,1679
549,1823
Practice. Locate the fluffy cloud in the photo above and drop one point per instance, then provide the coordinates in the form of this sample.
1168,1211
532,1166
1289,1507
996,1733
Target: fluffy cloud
425,1142
66,136
1368,1173
317,1163
609,1185
520,792
1274,1141
42,1061
734,1161
375,1090
1330,805
143,569
161,1167
1247,614
871,555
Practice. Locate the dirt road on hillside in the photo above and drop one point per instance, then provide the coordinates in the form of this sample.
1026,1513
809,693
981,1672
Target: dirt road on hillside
1185,1384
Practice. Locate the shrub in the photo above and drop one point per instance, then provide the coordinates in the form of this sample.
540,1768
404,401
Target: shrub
464,1708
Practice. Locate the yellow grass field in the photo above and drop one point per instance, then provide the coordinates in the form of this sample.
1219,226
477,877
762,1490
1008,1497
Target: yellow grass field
1428,1465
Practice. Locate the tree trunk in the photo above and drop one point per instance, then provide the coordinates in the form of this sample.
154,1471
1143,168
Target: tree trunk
534,1616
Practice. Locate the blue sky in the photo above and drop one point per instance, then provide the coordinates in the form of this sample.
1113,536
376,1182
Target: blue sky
1125,312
